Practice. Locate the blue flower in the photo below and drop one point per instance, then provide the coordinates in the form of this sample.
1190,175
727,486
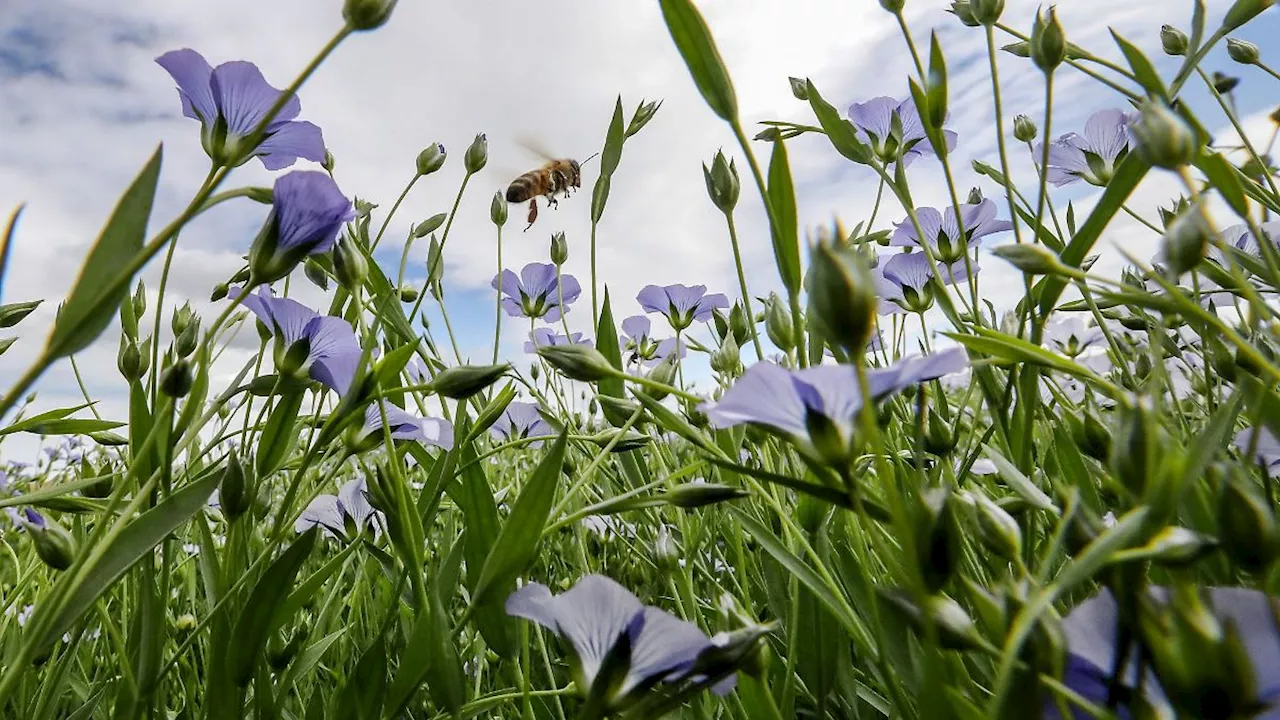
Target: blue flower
344,516
307,212
636,340
905,282
322,346
406,426
874,120
942,234
682,304
230,101
545,337
521,420
816,408
537,292
1091,157
595,614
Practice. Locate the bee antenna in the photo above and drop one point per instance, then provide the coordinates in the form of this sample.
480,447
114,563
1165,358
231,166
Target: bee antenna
584,162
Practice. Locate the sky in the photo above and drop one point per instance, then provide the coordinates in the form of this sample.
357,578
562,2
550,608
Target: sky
83,105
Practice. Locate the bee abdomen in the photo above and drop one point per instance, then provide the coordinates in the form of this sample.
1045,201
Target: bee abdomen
518,191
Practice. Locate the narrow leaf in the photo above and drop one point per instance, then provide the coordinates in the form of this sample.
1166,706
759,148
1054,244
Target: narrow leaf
259,614
782,200
697,47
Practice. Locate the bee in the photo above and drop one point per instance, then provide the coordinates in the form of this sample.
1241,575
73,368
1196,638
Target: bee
557,177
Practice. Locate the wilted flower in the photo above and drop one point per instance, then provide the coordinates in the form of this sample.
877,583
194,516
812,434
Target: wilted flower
817,407
874,120
307,211
230,101
905,281
682,304
323,346
521,420
1092,157
942,234
636,340
544,337
344,515
1070,336
537,292
595,614
407,426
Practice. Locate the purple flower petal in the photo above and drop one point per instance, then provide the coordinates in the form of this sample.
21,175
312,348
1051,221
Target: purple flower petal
875,116
765,395
708,303
685,298
837,387
512,307
908,270
290,141
1107,133
338,370
569,289
330,335
904,233
664,648
508,283
244,97
538,280
637,327
653,299
192,74
325,511
310,209
355,502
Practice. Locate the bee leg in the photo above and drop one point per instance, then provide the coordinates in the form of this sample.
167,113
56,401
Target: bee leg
533,213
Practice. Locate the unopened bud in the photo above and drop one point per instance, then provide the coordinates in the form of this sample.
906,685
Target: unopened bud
1024,130
1030,258
477,155
1173,40
799,88
643,114
1048,40
893,6
220,291
727,357
349,263
130,360
956,630
408,293
963,9
1133,451
140,299
666,553
53,543
578,362
697,494
430,225
237,490
367,14
463,381
1161,137
559,249
998,529
665,373
777,323
844,297
498,210
186,343
1246,522
315,272
722,182
431,159
938,544
1186,240
329,162
13,313
986,12
177,380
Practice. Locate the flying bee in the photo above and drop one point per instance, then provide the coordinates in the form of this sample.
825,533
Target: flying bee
557,177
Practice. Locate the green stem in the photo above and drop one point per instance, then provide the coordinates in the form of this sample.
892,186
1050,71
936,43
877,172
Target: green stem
742,285
396,206
497,325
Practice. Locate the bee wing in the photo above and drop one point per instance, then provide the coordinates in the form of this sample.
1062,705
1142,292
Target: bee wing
534,147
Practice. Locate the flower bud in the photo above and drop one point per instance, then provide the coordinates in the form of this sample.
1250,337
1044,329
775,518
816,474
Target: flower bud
13,313
428,226
963,9
559,249
777,323
1173,40
938,542
220,291
431,159
1091,436
1048,40
130,360
367,14
666,552
498,210
477,155
843,296
986,12
177,380
722,182
665,373
329,162
237,490
349,263
463,381
1161,137
182,317
408,293
956,630
697,494
140,299
1030,258
997,528
938,438
53,543
643,114
1024,130
1133,452
315,272
1246,522
186,343
1186,241
799,88
727,359
578,362
893,6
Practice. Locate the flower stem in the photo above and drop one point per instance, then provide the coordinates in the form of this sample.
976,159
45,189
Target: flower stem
396,206
742,284
497,325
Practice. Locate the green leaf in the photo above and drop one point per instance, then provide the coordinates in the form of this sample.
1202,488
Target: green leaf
104,277
134,543
6,243
839,131
1143,71
82,426
389,369
33,423
1226,180
445,680
599,197
936,88
697,47
1215,436
306,661
474,496
607,344
278,435
515,546
1014,349
782,200
613,140
365,689
414,664
1127,176
260,611
492,410
1021,484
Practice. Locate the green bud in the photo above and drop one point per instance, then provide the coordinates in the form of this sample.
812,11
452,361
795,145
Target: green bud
695,494
140,299
844,297
893,6
1242,51
349,263
617,411
367,14
53,543
963,9
666,552
728,358
408,293
428,226
777,323
799,88
182,317
1024,130
185,623
1186,240
559,249
477,155
237,490
1134,450
1030,258
102,488
220,291
643,114
1246,522
1162,138
13,313
1177,546
431,159
938,437
1173,40
315,272
1242,12
1091,436
1021,49
986,12
956,630
463,381
938,541
1048,40
665,373
130,360
329,162
998,530
498,210
578,362
722,182
186,343
177,380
